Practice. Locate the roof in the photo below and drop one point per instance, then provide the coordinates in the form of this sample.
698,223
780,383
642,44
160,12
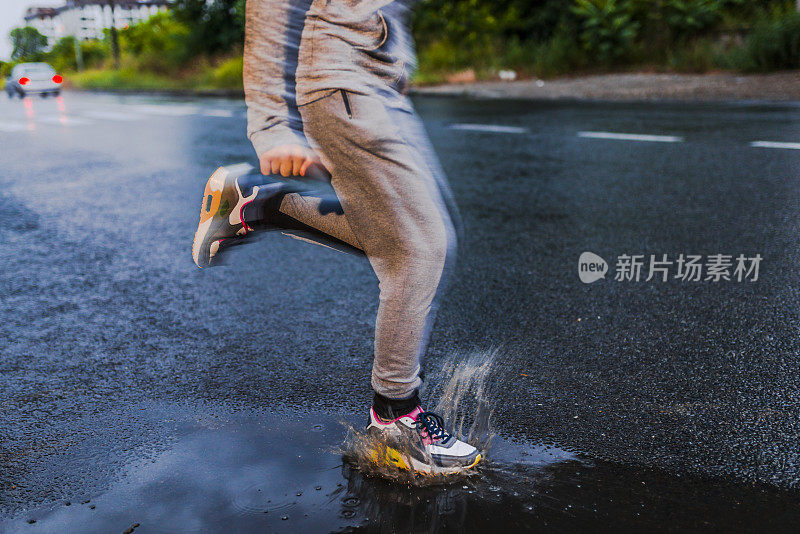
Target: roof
35,12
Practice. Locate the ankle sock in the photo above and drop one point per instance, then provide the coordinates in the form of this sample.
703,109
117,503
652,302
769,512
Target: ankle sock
264,213
259,213
389,409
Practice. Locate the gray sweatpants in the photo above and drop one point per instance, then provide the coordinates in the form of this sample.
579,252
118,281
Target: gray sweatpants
397,208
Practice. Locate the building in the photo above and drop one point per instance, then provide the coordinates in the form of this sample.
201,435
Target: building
44,20
86,19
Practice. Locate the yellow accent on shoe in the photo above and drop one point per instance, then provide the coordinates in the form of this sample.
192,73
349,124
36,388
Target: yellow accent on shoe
391,457
477,459
213,190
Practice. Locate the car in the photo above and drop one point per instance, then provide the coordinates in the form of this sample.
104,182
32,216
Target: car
33,78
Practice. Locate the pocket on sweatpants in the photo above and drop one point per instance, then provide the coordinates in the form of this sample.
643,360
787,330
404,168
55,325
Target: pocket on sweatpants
367,118
382,58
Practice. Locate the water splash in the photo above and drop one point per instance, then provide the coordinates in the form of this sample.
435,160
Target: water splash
465,398
464,392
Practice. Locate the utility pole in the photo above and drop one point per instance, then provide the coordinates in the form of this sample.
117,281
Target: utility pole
115,37
78,54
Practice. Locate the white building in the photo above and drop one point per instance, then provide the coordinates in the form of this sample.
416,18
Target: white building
86,19
44,20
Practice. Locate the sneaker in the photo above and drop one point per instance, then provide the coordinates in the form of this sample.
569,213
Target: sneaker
221,213
418,442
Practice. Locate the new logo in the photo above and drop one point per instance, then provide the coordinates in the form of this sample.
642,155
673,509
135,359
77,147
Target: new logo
591,267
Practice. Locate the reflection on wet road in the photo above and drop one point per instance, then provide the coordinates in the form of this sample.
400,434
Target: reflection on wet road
280,472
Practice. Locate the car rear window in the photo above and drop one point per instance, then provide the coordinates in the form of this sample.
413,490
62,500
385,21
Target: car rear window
34,68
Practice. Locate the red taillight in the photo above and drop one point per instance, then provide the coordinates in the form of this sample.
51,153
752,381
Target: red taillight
57,78
23,81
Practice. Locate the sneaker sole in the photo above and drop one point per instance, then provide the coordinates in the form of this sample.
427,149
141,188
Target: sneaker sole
203,246
393,458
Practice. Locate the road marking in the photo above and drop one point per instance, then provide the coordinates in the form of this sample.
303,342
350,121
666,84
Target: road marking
774,144
64,120
218,113
13,126
493,128
171,111
632,137
112,116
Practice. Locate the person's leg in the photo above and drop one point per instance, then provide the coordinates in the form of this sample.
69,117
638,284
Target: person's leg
393,206
306,215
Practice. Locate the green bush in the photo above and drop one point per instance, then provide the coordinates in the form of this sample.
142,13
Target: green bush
125,78
158,44
560,54
773,45
95,53
608,28
228,75
215,26
697,55
443,56
690,17
62,55
455,34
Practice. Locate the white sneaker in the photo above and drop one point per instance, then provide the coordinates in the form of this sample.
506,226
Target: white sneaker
220,214
418,442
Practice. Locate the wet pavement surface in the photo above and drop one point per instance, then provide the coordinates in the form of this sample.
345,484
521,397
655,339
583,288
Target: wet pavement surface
179,399
281,472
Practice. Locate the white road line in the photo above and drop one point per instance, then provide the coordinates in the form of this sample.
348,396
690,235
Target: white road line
63,120
112,115
632,137
13,126
171,111
218,113
493,128
774,144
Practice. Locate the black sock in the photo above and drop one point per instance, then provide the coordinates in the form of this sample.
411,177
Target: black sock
259,213
263,213
388,409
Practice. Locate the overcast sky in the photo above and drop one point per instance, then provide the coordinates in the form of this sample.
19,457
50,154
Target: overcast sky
11,12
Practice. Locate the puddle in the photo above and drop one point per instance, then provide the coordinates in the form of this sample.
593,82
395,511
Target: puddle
251,474
280,473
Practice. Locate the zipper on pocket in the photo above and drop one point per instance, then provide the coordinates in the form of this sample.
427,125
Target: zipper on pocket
346,101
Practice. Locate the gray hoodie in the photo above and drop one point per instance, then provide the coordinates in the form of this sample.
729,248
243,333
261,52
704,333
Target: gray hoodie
297,51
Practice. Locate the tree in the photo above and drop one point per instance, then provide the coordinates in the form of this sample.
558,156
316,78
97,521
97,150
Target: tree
159,43
608,29
27,43
216,25
113,33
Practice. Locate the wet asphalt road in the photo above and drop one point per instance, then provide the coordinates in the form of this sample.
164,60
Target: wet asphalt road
662,405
